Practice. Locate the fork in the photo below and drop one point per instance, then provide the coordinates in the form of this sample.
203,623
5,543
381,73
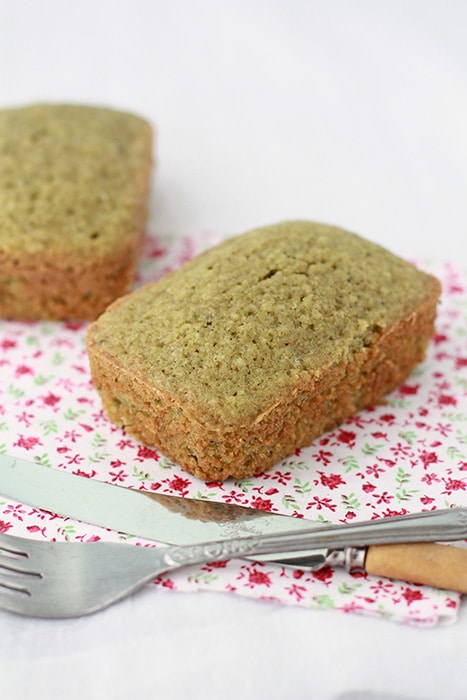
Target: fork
70,579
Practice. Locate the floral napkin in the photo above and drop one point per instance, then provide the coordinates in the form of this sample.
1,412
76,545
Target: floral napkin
405,456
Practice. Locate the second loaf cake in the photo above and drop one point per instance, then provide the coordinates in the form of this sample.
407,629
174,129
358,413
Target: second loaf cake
259,345
73,188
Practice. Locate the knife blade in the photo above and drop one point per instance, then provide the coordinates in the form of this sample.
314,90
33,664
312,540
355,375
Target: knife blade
150,515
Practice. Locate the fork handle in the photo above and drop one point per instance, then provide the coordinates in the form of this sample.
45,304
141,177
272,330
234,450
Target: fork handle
437,565
442,525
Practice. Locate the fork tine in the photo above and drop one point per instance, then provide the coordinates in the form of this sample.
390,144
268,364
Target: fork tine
13,582
13,545
17,555
21,577
18,574
14,592
15,600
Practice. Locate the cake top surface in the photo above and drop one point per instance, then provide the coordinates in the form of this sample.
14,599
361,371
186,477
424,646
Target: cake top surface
258,315
71,176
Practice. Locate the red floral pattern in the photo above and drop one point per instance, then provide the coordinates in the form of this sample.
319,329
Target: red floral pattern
405,456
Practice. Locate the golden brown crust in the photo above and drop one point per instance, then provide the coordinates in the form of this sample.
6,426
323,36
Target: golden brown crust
73,203
317,401
60,287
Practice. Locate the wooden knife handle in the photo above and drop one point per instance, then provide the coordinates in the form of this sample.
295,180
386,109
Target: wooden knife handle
437,565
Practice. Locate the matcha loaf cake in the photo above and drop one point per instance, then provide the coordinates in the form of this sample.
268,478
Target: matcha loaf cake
259,345
73,198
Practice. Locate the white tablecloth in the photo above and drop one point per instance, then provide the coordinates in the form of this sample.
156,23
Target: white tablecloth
347,112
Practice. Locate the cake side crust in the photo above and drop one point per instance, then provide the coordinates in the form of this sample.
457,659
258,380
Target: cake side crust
55,287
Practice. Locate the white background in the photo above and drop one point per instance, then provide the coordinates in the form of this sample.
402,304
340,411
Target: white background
350,112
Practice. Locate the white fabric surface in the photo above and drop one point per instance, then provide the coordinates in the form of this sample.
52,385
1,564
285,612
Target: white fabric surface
350,112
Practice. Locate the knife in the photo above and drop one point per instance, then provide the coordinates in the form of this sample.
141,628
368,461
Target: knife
368,546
